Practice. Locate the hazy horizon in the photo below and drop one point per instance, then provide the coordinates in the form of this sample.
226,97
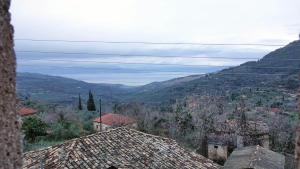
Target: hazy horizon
273,22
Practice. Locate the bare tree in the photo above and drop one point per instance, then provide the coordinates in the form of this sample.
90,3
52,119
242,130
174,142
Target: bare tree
10,142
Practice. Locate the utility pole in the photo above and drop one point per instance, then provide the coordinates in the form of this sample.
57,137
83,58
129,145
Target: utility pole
100,115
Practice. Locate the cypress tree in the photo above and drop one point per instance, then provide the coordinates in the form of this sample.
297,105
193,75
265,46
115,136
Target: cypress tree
90,103
79,103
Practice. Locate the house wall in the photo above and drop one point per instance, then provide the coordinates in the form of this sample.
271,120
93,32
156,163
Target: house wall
217,152
239,141
133,125
106,127
265,141
98,125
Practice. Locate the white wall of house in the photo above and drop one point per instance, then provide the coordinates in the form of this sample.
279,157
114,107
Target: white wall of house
239,141
133,125
265,141
106,127
217,152
97,126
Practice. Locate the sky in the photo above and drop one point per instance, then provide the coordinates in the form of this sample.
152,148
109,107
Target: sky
161,21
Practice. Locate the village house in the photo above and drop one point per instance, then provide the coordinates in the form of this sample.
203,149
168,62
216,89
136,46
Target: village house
232,134
119,148
254,157
111,120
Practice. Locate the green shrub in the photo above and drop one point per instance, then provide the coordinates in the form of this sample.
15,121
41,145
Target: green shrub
64,130
33,127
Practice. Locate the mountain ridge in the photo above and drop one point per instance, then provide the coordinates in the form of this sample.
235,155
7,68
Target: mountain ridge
278,69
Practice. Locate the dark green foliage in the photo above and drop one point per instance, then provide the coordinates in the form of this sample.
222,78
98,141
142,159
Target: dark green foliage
276,104
64,129
259,103
242,113
116,107
88,127
90,103
233,96
292,83
79,103
67,124
33,127
230,116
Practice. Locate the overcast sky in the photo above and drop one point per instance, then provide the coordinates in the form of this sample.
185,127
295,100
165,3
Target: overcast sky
202,21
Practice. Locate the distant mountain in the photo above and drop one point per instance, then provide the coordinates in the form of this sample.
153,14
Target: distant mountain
278,69
64,90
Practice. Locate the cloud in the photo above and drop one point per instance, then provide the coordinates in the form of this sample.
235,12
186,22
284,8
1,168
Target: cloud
168,20
205,21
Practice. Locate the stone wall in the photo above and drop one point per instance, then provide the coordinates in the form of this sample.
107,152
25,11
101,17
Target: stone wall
217,152
10,142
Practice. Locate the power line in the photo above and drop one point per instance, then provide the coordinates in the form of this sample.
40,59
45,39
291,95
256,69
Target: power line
118,62
145,55
261,74
147,63
193,74
147,42
132,55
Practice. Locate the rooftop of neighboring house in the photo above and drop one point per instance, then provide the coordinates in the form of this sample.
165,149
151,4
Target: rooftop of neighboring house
276,110
25,111
235,126
255,157
120,148
115,119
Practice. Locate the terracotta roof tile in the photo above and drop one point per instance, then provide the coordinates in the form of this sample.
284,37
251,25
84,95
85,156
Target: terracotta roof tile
121,148
24,111
115,119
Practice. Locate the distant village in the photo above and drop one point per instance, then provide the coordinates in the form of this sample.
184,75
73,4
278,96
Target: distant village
117,143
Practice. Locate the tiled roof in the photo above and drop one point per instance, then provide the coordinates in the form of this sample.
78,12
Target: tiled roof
276,110
226,132
122,148
255,157
233,126
24,111
115,119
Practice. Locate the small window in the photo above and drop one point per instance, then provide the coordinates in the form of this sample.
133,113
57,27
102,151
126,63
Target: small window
215,146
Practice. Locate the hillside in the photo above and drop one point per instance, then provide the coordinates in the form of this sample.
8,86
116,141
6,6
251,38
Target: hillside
278,69
56,89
